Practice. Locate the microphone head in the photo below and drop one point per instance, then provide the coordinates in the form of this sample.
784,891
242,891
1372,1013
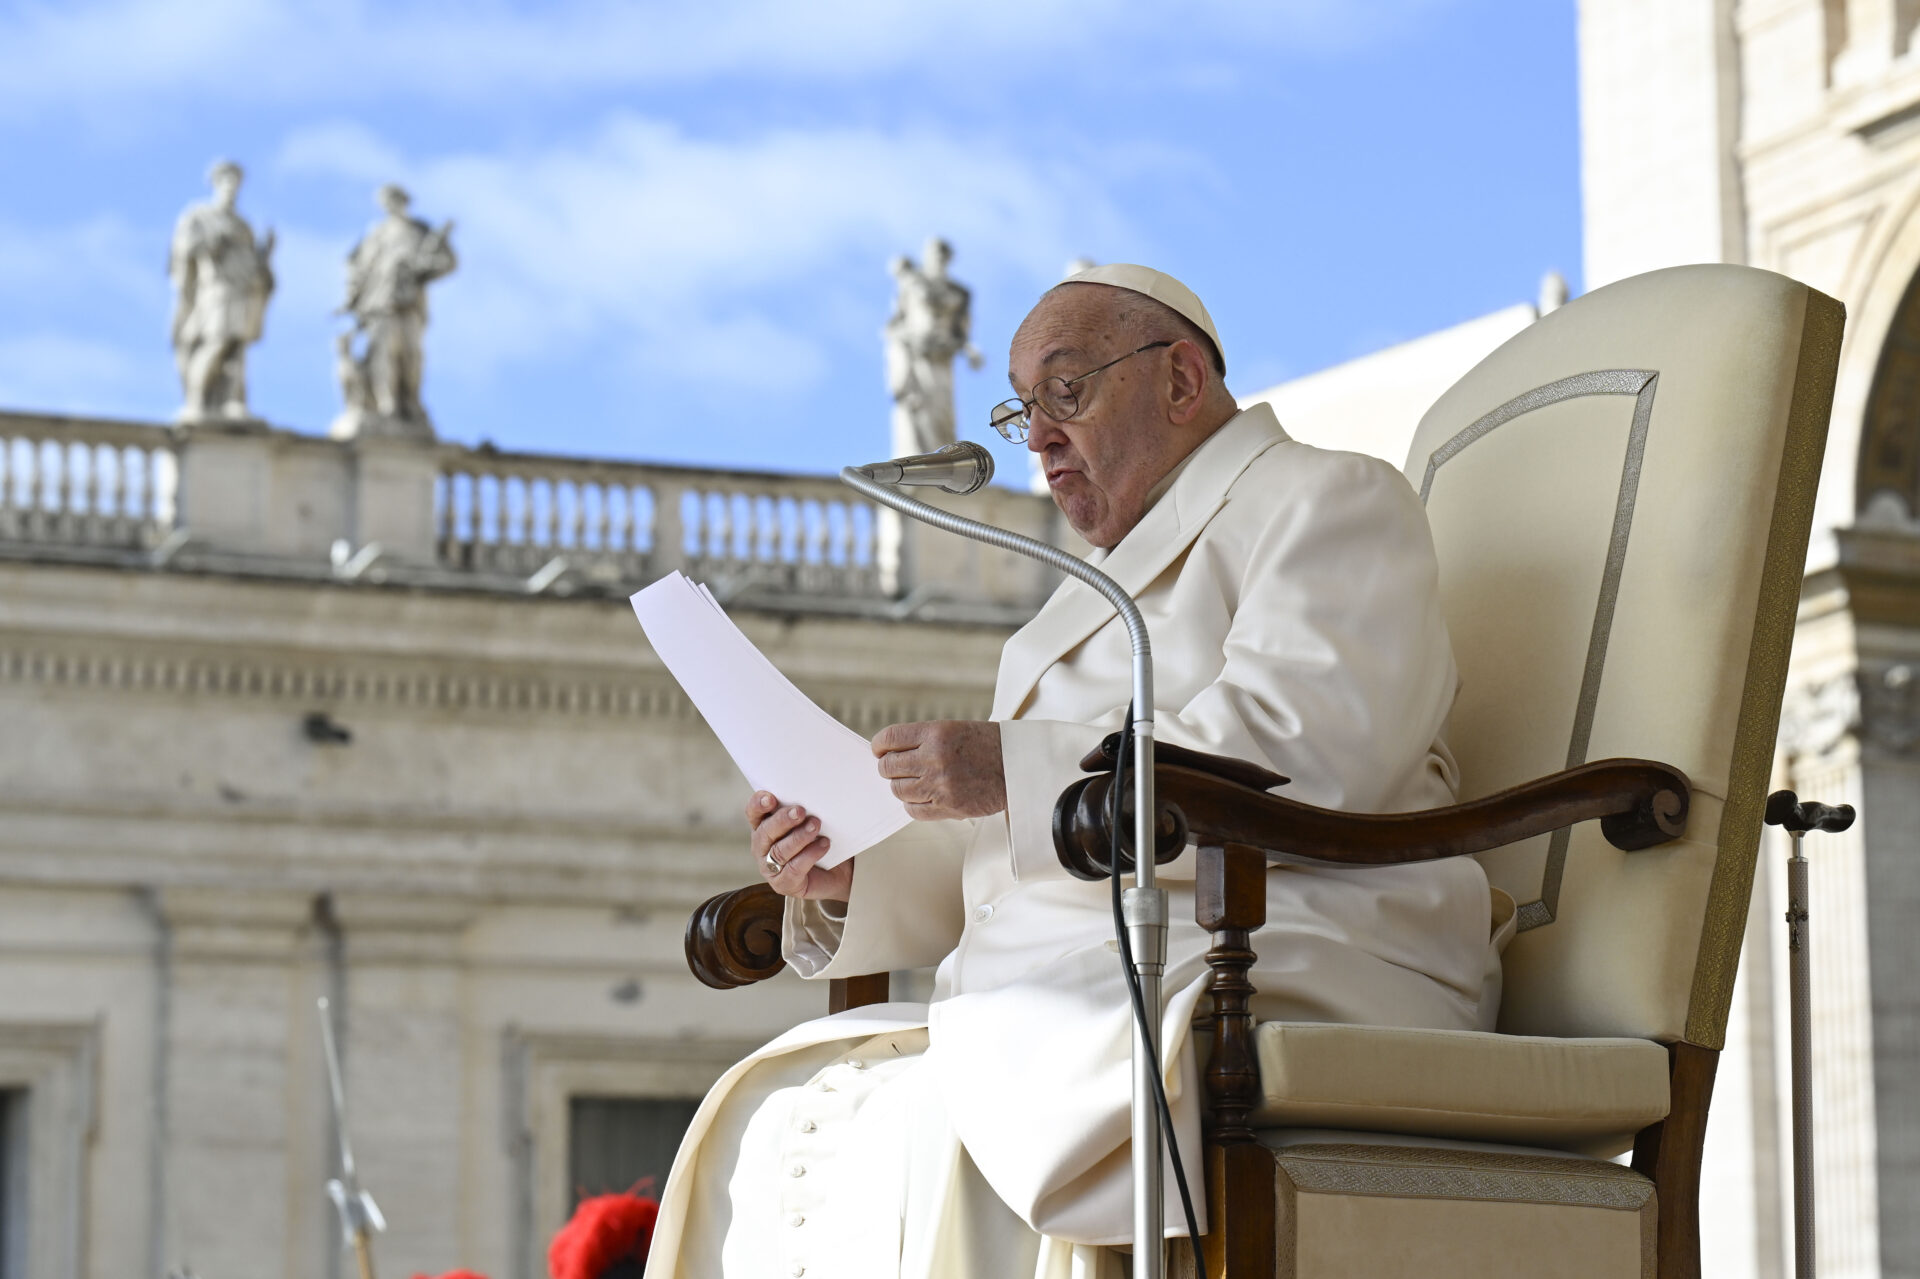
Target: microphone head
982,467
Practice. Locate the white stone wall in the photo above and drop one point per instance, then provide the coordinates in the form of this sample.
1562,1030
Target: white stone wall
1658,113
525,816
1786,134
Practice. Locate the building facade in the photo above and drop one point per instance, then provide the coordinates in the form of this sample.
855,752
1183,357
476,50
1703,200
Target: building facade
284,717
1786,134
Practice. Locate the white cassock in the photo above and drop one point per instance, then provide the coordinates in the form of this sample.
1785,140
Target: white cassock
1291,597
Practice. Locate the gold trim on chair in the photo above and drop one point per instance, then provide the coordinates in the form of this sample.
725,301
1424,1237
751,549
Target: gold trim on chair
1409,1172
1641,384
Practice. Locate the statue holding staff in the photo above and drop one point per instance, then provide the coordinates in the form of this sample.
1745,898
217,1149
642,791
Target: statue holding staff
931,323
222,279
387,277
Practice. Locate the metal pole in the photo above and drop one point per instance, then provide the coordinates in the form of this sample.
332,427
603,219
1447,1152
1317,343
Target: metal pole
1785,809
1800,1000
1144,906
1145,909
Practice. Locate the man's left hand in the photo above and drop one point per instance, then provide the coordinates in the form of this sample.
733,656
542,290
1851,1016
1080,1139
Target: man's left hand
945,768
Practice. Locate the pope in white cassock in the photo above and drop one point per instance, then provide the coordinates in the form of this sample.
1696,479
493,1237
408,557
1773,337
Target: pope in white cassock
1291,596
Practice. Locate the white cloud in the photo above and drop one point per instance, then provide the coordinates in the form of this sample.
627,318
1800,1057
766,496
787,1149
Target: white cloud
57,282
45,268
78,375
673,252
335,50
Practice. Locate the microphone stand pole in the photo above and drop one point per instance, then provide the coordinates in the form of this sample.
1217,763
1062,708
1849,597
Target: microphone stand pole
1145,904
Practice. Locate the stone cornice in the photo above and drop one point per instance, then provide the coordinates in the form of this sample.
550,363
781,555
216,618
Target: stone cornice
408,685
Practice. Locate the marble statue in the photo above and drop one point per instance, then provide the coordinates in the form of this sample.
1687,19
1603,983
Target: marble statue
1553,293
387,277
931,323
222,279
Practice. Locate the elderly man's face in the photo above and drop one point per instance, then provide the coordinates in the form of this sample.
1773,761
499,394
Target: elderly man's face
1101,464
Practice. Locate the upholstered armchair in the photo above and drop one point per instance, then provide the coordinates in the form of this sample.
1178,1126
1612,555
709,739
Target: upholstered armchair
1621,498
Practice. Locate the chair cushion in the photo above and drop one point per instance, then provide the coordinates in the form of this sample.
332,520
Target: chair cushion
1590,1095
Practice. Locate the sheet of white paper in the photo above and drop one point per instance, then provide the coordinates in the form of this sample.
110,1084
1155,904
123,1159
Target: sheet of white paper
780,739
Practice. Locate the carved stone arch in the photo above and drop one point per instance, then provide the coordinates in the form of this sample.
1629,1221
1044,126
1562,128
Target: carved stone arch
1889,461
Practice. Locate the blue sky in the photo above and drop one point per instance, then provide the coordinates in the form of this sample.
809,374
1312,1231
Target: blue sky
674,218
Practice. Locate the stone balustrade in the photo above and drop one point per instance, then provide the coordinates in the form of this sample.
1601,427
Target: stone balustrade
78,483
248,499
526,514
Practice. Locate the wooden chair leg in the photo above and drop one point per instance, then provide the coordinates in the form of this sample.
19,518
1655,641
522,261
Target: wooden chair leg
1669,1152
1241,1201
857,992
1230,902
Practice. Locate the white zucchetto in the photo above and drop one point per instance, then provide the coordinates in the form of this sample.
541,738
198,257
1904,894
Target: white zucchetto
1159,286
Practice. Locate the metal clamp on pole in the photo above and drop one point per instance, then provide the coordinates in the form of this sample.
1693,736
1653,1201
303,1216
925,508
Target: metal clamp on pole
1786,810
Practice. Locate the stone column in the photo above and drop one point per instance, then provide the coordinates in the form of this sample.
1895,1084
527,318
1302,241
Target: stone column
403,1048
230,1083
1881,567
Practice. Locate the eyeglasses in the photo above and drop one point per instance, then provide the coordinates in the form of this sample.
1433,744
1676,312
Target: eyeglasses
1056,398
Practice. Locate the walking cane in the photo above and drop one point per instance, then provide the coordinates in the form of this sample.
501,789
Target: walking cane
1785,809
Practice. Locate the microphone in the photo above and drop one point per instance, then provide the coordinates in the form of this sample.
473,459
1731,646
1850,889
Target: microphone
958,468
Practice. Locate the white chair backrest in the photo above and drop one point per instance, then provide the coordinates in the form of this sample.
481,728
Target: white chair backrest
1620,497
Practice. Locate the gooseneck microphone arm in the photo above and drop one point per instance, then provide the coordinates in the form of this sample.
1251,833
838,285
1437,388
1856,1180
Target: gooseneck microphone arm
1145,904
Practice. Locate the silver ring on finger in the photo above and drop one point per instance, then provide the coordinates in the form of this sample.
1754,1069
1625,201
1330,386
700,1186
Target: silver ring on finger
774,864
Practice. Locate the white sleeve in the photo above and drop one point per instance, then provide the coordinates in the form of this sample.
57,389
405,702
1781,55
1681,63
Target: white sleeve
904,911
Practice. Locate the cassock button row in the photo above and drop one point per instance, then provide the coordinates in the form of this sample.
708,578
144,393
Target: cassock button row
982,914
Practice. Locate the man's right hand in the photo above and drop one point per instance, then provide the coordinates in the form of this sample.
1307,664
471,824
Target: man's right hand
784,836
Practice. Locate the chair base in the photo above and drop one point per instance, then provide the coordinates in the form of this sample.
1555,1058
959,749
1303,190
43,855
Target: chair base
1339,1210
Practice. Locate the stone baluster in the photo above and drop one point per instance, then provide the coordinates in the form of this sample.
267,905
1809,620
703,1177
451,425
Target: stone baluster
818,530
523,525
112,500
143,500
669,533
554,489
449,487
719,527
63,453
36,476
847,554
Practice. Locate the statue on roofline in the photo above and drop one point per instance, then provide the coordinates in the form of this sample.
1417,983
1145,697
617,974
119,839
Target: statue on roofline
222,279
387,277
931,323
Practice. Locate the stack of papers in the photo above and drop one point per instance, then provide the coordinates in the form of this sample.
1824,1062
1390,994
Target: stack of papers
784,743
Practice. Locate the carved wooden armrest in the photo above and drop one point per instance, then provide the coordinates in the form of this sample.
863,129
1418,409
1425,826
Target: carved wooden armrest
734,940
1639,803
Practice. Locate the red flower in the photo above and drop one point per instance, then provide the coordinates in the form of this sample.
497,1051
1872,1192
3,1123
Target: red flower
605,1230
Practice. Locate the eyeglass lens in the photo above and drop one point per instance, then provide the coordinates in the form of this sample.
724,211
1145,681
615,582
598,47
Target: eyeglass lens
1055,398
